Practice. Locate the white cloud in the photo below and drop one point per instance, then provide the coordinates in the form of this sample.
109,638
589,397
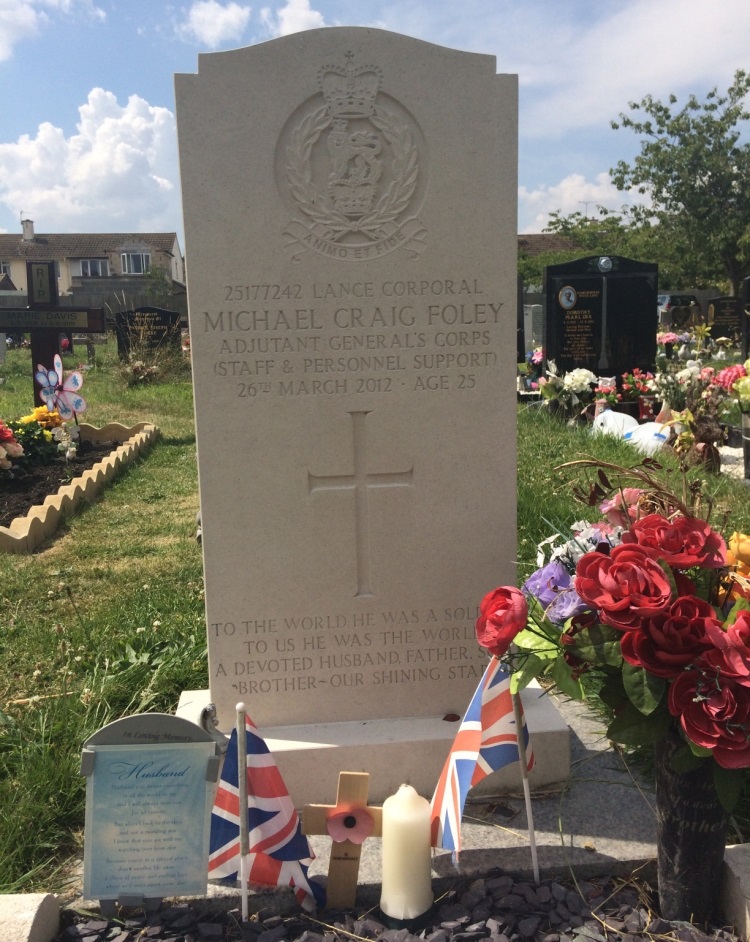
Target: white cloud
573,194
24,19
119,166
212,23
584,73
293,17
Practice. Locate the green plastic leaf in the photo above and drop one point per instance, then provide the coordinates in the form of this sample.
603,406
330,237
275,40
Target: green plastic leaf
643,689
612,693
685,760
540,645
562,674
599,644
531,668
698,750
631,728
728,785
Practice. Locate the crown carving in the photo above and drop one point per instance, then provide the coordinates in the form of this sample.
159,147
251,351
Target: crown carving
349,90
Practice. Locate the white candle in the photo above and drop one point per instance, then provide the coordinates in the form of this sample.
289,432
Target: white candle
407,891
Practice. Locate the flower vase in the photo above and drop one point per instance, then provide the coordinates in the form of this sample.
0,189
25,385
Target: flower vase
746,442
691,836
628,407
646,411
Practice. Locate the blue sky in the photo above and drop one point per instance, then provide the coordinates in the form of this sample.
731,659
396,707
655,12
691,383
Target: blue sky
87,128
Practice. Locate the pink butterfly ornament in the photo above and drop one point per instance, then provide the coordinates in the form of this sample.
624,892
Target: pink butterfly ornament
59,392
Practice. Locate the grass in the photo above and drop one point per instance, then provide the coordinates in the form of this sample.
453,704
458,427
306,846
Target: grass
108,618
105,620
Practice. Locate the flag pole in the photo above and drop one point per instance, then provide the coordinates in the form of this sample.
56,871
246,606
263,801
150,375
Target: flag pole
242,787
525,779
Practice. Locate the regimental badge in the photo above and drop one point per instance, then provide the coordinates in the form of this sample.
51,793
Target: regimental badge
350,165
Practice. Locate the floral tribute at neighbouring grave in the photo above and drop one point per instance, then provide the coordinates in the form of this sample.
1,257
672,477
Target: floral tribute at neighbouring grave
647,609
44,439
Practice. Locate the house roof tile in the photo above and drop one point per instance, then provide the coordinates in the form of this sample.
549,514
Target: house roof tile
81,245
537,243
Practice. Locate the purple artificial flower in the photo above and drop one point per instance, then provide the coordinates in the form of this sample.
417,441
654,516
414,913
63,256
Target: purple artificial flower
565,605
546,583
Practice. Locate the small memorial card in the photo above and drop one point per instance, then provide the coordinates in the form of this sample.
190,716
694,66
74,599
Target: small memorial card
147,821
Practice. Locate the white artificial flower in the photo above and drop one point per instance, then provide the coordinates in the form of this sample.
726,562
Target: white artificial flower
579,380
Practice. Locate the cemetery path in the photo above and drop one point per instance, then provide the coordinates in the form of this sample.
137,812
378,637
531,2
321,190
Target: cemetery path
20,492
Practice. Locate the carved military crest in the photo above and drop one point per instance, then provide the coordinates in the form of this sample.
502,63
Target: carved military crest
350,165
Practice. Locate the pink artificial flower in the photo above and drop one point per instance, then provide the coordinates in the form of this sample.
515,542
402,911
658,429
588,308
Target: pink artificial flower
729,376
621,509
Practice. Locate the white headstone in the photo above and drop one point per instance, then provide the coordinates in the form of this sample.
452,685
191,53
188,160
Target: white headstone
350,219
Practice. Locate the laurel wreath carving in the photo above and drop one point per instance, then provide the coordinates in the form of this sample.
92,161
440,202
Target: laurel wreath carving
314,205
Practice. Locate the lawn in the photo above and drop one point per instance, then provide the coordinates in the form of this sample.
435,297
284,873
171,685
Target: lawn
108,618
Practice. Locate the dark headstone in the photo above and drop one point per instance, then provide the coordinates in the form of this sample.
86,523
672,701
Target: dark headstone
147,330
745,295
725,318
601,315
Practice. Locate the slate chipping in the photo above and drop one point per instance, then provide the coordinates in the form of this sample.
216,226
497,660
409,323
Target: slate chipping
607,909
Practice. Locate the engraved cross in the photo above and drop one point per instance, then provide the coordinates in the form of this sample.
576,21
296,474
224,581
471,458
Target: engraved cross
360,482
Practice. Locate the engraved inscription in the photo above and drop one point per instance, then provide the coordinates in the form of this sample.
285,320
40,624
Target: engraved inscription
350,166
367,649
349,337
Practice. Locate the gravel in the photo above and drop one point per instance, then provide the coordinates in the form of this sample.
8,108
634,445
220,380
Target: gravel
495,907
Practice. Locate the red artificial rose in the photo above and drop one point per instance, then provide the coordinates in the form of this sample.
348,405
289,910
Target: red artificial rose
626,586
714,710
503,613
666,643
682,543
734,643
6,435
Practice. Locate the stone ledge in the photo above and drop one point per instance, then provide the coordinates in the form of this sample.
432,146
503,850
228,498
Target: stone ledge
29,917
735,888
26,533
398,749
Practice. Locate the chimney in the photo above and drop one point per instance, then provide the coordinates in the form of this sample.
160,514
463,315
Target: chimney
28,230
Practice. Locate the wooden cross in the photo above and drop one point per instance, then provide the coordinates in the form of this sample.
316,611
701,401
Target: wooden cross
343,869
45,318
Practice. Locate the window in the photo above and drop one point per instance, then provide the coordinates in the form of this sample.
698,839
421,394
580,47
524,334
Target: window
135,263
94,267
4,268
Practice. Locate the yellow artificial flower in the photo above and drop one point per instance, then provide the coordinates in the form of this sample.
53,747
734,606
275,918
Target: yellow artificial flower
44,417
739,549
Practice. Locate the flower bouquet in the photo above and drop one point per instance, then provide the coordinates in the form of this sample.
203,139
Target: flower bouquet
646,610
568,395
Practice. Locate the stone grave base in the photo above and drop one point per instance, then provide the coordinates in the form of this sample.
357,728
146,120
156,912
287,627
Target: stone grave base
394,751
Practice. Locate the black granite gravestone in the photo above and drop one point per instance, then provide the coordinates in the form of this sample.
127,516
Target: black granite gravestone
147,329
725,318
601,314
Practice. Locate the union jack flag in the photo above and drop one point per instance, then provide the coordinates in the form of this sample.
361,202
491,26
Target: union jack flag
279,853
486,741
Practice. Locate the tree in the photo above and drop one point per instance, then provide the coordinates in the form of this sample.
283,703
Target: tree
610,234
696,175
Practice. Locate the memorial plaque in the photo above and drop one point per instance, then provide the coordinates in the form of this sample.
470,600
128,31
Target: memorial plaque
725,318
147,330
352,290
149,794
601,315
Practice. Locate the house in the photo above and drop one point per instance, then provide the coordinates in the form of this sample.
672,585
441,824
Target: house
95,269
